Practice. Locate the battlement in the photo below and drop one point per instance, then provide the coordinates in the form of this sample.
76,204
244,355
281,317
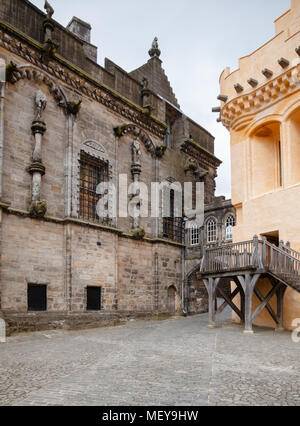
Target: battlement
269,61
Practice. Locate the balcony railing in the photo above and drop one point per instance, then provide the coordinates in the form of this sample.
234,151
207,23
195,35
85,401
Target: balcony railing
254,254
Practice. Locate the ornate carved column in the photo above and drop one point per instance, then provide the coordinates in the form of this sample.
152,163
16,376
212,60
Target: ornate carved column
136,170
38,208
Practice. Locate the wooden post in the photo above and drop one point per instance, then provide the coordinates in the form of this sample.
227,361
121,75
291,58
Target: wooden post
249,286
280,297
211,285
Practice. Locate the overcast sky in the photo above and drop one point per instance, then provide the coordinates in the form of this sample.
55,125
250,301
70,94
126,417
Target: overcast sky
198,39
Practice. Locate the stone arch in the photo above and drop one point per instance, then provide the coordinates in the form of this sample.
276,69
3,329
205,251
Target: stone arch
263,122
30,72
290,110
137,132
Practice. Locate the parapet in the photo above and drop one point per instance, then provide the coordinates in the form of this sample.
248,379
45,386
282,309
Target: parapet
265,73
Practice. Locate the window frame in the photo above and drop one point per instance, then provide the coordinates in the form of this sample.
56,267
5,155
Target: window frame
211,231
92,171
229,226
194,235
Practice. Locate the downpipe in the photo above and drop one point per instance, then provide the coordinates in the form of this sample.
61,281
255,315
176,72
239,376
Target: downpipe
183,307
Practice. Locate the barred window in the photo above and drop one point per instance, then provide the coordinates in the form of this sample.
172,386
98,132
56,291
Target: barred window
92,172
212,231
194,235
172,226
230,223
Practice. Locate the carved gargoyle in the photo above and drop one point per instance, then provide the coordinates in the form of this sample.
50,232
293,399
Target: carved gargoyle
74,107
38,209
11,68
138,234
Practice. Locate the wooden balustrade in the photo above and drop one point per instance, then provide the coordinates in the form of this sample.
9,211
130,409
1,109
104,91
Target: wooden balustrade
254,254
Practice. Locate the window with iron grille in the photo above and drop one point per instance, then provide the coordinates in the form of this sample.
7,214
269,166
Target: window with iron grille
37,297
211,231
92,172
194,235
172,226
93,298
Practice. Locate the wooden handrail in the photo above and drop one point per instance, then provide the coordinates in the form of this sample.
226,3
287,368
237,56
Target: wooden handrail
251,254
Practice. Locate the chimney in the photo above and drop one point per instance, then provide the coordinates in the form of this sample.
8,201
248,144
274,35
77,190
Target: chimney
83,30
80,28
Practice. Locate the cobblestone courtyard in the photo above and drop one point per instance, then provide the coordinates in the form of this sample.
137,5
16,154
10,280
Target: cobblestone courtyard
174,362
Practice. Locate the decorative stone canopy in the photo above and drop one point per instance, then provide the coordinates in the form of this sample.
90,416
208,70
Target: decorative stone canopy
137,132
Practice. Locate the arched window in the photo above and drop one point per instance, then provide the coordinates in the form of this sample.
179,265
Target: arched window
211,231
194,235
230,223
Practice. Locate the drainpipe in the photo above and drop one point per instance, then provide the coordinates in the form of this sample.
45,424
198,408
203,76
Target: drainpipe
184,310
2,96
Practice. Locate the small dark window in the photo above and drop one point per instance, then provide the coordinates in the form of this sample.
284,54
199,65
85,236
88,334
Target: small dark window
93,298
37,297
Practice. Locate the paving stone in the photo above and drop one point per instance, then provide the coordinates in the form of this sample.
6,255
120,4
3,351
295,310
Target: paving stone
151,363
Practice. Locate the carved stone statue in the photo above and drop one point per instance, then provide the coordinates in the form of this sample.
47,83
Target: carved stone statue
41,103
144,83
155,43
154,51
136,152
49,9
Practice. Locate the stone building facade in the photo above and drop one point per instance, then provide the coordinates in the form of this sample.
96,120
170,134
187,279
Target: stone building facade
260,106
217,229
67,124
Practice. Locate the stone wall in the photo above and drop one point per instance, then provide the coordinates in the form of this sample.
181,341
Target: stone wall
60,249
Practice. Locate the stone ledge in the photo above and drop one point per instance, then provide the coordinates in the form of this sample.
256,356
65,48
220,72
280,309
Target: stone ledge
43,321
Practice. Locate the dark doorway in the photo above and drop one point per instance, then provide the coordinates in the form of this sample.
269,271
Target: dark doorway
171,300
272,237
93,298
37,297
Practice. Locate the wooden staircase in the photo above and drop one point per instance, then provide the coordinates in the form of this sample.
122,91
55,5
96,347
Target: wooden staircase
245,263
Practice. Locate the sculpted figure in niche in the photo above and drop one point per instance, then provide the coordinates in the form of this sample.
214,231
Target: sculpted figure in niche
136,152
41,103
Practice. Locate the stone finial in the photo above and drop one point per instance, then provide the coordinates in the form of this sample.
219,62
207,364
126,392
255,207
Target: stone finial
154,51
41,103
49,9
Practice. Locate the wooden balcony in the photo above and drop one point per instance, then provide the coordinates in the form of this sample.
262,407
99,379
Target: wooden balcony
245,263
